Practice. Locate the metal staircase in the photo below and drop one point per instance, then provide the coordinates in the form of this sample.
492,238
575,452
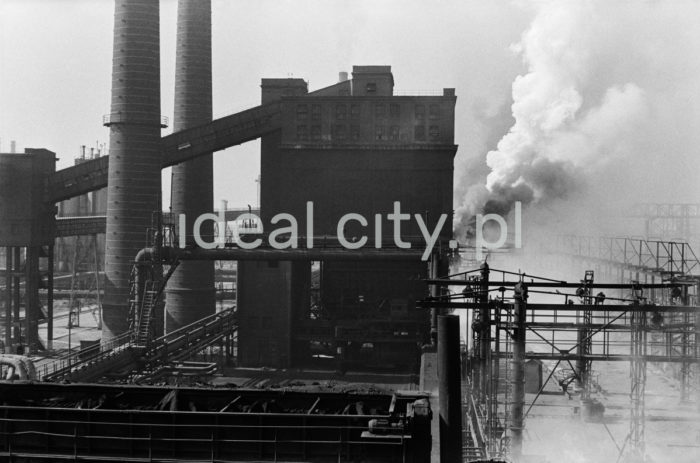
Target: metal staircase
148,302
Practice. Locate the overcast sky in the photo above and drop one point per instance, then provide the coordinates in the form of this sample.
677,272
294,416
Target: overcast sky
556,99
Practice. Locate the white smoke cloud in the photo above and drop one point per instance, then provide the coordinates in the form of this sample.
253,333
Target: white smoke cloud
606,113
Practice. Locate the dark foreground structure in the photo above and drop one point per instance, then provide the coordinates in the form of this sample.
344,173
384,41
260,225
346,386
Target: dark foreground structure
94,423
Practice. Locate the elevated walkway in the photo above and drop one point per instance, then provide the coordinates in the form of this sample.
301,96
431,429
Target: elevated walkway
128,355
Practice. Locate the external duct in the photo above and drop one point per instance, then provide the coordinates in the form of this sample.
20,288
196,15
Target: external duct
19,365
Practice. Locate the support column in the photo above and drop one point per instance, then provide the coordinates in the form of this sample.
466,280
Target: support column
485,336
8,300
434,290
517,423
638,376
450,389
31,304
697,341
49,298
16,295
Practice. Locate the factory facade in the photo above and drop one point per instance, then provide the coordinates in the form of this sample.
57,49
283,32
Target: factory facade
350,148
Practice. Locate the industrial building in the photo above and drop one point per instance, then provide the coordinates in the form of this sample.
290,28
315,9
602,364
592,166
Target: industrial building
352,147
338,340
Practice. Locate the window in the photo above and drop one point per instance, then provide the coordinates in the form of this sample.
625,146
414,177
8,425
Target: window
394,132
434,132
420,133
434,111
315,132
302,132
380,132
316,112
355,111
394,110
379,110
420,112
354,132
339,132
340,112
371,87
302,111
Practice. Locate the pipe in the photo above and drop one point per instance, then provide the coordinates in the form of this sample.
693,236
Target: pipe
450,389
171,255
304,254
22,366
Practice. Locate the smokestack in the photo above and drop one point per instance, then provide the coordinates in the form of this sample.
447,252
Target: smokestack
190,291
342,76
134,186
13,146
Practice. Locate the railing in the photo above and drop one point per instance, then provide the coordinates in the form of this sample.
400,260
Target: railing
172,346
207,331
418,93
96,436
109,119
91,355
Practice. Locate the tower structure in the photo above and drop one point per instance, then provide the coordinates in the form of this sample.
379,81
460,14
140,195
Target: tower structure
190,292
134,186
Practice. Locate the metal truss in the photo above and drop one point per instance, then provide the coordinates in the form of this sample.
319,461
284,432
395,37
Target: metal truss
586,328
668,221
658,258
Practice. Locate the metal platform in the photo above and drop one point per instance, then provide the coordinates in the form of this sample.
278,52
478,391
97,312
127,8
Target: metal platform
50,422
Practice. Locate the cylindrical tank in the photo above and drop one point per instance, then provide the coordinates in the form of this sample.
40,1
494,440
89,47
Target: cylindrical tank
190,291
134,186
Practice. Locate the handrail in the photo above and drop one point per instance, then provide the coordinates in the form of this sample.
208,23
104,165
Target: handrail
219,324
77,360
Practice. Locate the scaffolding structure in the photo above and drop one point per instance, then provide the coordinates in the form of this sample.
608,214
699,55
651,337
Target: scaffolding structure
586,327
668,221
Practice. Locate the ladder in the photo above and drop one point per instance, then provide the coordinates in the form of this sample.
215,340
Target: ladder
149,300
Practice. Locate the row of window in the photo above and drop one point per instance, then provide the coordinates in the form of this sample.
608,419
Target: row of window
341,132
380,110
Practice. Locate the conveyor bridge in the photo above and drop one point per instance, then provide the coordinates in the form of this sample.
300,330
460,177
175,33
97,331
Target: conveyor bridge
175,148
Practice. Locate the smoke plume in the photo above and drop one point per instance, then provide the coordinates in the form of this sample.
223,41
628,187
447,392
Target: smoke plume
604,115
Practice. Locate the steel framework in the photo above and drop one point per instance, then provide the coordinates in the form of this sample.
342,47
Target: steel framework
669,220
584,329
